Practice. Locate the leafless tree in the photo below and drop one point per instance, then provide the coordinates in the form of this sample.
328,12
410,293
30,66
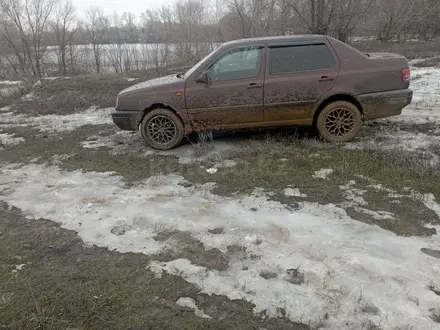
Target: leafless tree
130,28
28,21
64,30
238,19
347,15
96,28
188,15
116,48
37,14
394,16
426,23
316,15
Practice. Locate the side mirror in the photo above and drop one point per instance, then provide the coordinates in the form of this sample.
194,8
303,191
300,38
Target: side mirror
203,78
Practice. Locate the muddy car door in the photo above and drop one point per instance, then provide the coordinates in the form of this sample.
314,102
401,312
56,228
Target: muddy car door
228,91
297,75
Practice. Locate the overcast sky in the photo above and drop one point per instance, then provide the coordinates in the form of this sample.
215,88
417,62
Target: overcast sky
119,6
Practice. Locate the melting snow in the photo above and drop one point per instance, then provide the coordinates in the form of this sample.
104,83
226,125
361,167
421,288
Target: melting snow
5,109
356,201
9,139
323,173
9,82
426,85
293,192
347,265
190,303
18,268
212,170
56,123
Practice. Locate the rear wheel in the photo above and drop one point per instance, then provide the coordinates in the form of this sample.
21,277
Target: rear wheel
162,129
339,121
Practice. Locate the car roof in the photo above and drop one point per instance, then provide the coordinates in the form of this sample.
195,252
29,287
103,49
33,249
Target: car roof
276,39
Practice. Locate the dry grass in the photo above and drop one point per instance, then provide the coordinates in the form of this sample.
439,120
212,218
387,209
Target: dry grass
11,93
429,62
410,49
68,95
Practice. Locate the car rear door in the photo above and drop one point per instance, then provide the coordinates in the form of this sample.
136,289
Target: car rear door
297,75
233,95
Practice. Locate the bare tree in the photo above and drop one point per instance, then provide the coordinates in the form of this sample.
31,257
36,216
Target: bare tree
317,15
394,16
238,18
37,14
28,21
65,28
130,29
115,49
96,28
426,24
347,16
188,15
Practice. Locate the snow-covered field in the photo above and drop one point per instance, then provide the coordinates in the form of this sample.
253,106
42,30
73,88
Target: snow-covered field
327,269
352,271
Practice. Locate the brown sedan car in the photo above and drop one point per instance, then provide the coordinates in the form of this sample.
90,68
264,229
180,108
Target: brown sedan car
308,80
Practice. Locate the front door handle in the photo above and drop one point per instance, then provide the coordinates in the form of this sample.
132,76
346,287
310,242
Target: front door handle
325,78
254,85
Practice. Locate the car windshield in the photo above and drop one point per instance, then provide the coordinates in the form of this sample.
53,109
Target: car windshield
199,64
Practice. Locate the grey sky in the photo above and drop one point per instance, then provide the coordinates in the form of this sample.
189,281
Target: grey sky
119,6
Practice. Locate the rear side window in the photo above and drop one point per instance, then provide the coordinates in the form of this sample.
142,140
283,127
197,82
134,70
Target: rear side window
290,59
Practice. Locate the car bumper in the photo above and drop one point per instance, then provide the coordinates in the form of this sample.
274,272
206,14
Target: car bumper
385,104
126,120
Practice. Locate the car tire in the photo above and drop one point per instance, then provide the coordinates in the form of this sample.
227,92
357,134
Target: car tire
162,129
339,122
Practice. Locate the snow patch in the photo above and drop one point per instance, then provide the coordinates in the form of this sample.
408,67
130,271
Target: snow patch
356,201
430,203
9,91
293,192
227,163
426,86
9,82
8,139
18,268
191,303
323,173
56,123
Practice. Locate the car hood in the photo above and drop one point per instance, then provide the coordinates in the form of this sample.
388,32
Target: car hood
153,83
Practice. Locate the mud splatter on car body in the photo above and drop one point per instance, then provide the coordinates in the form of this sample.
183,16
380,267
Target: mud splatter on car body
274,81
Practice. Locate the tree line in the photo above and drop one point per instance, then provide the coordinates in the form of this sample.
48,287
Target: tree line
39,37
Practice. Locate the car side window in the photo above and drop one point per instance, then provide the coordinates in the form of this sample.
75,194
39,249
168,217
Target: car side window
292,58
238,63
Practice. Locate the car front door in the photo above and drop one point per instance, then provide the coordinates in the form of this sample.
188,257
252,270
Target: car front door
232,96
297,75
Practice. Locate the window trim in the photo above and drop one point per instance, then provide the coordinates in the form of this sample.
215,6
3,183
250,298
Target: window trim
291,45
259,46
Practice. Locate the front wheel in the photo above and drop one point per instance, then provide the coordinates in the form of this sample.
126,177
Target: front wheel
339,121
162,129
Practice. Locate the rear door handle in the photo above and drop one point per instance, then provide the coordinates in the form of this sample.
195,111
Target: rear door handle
325,78
254,85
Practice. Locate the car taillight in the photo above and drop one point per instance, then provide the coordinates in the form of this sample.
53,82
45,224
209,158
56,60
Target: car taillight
406,74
